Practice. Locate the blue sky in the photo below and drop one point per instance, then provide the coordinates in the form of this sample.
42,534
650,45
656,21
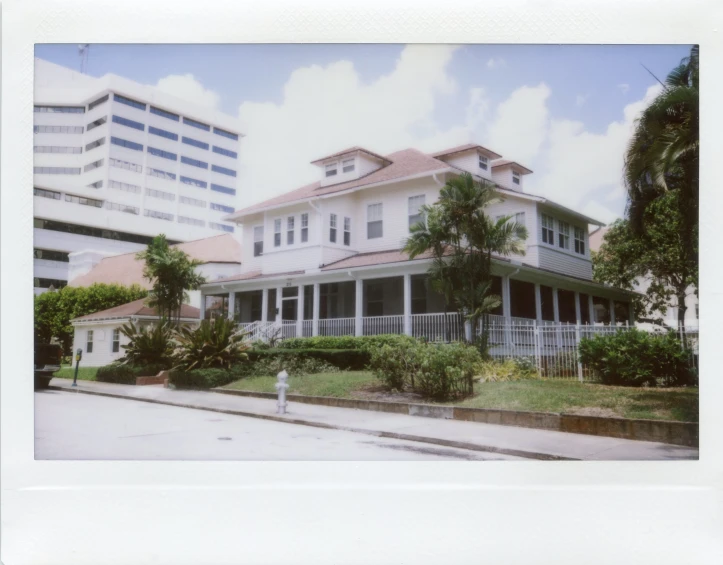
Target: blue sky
565,111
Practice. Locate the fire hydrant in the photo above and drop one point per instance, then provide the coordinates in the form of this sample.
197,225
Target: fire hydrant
281,387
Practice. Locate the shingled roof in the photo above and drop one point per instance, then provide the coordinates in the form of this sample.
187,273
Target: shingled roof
136,308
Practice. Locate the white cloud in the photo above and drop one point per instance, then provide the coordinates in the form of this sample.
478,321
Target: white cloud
496,63
624,88
580,100
187,87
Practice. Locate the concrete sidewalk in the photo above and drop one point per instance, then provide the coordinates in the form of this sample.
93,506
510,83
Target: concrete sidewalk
509,440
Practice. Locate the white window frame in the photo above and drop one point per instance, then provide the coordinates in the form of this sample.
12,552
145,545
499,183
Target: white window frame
516,177
260,240
548,230
347,231
115,339
410,201
290,228
277,232
332,228
304,227
483,162
348,165
331,169
580,247
89,341
563,235
381,220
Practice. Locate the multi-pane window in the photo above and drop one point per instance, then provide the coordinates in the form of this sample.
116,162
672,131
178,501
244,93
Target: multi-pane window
220,227
161,153
157,214
58,129
194,123
483,162
304,228
89,341
290,230
277,232
84,201
115,342
331,169
563,235
47,283
129,102
332,228
347,231
124,186
160,174
515,177
96,123
127,144
222,208
128,166
226,152
114,206
56,170
194,142
160,194
56,149
579,241
347,166
375,226
51,255
163,133
191,221
46,193
129,123
414,204
164,114
194,162
94,144
223,170
223,189
224,133
96,184
65,227
98,102
258,241
60,109
548,229
194,182
192,201
94,165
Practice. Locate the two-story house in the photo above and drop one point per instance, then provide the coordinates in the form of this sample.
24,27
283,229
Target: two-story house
327,259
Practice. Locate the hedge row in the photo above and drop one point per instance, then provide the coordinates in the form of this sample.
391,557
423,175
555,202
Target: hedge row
202,378
125,374
344,359
342,342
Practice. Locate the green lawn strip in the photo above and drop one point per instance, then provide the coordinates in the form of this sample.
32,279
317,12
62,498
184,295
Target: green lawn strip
338,385
84,373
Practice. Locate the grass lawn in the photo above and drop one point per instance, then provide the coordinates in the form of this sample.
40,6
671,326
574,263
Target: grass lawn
679,404
84,373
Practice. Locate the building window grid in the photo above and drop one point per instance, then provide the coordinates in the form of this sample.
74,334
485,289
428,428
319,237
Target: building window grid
194,182
116,207
129,123
51,255
56,149
226,152
220,227
84,201
192,201
277,232
58,129
563,235
66,227
56,170
347,231
160,174
290,230
258,241
59,109
332,228
94,144
96,123
191,221
124,186
153,193
158,215
195,124
161,153
163,133
46,193
98,102
47,283
579,240
375,224
223,189
221,208
129,102
164,114
227,134
127,165
223,170
127,144
304,228
194,162
94,165
195,142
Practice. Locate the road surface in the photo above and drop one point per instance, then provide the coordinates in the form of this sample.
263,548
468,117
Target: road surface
83,426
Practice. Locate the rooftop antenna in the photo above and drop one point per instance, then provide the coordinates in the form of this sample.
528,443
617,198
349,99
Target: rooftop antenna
83,50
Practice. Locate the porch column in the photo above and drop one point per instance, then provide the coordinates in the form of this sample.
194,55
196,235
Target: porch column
359,307
578,316
203,306
300,312
315,310
264,305
591,307
231,305
279,290
555,305
408,304
538,305
612,312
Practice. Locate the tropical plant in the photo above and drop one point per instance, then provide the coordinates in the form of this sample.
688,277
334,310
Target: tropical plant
172,273
147,345
213,344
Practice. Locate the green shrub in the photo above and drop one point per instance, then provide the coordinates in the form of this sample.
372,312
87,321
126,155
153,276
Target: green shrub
507,370
344,359
201,378
124,374
342,342
294,365
213,344
637,358
447,371
396,366
148,345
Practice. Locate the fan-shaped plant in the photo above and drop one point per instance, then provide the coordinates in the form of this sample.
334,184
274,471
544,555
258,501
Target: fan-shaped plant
214,344
148,345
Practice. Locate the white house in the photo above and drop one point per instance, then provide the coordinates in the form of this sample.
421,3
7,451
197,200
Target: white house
99,335
326,259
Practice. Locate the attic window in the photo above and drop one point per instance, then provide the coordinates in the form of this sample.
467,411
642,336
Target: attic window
347,165
331,169
515,177
483,162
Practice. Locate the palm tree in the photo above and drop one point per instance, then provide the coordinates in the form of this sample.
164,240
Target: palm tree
462,239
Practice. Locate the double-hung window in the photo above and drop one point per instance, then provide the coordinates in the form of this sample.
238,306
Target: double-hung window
579,241
347,231
347,166
515,177
375,227
277,232
258,241
290,230
414,212
115,343
483,162
332,228
331,169
89,342
548,229
304,228
519,218
563,235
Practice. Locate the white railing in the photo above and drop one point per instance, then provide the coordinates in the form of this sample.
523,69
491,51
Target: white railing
288,329
307,328
337,326
376,325
438,327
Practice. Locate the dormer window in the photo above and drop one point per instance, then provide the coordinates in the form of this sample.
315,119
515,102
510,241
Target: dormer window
347,166
331,169
515,177
483,162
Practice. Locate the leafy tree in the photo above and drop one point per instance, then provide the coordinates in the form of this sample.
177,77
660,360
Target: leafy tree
172,272
55,309
662,156
656,253
461,239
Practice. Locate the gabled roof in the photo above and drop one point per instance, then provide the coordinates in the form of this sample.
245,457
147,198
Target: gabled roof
514,164
136,308
466,147
355,149
125,269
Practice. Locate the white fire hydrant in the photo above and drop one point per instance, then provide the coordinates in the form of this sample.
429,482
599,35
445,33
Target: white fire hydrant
281,387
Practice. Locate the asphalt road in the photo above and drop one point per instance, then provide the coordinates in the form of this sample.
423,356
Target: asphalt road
81,426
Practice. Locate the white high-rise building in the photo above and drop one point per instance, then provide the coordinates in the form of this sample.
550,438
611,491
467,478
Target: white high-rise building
116,163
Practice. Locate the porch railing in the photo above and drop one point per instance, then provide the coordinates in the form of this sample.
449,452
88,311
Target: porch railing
337,326
376,325
438,327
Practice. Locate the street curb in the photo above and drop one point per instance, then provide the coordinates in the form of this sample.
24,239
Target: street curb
310,423
658,431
